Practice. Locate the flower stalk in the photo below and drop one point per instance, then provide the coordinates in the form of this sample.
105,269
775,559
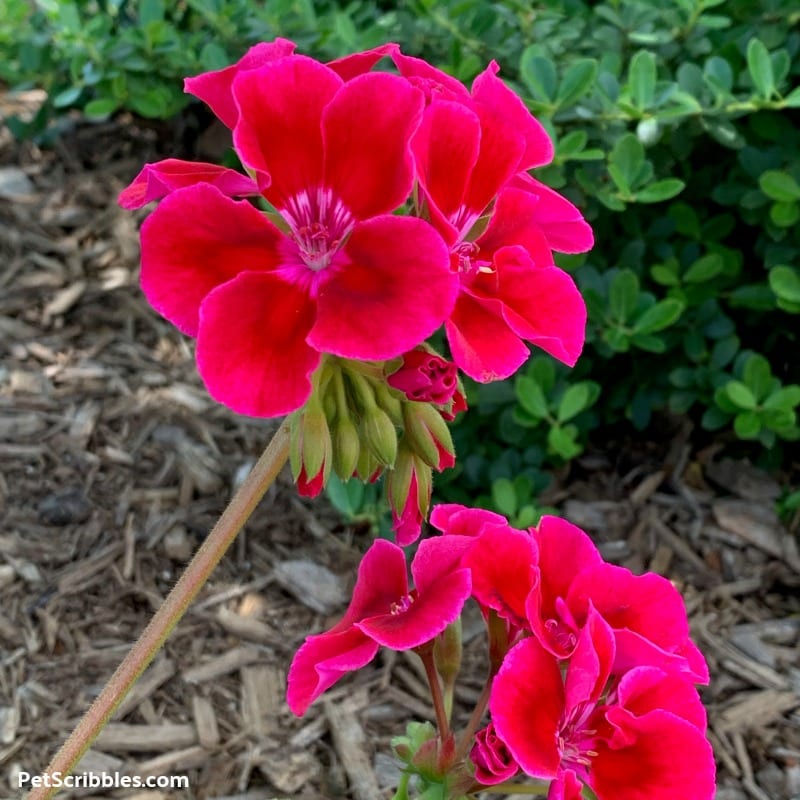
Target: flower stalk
177,602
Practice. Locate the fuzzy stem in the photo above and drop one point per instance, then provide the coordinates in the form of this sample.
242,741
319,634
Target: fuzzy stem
426,654
172,610
474,720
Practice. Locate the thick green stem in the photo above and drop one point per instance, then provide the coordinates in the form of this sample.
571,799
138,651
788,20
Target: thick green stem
172,610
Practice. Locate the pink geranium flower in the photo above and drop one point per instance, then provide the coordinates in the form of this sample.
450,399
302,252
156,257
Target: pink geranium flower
425,377
645,739
384,611
492,759
341,275
471,150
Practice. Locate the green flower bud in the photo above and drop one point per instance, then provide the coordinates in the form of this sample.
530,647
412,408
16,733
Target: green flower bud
428,435
447,651
380,435
346,447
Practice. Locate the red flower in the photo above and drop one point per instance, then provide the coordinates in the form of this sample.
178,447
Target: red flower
384,611
492,759
425,377
645,739
342,276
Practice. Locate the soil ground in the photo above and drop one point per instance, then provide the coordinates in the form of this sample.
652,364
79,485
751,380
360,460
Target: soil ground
114,463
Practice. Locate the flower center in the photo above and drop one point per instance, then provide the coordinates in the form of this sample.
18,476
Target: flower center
575,740
319,223
468,263
402,605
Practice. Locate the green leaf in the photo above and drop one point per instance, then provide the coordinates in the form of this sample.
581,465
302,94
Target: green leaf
779,186
718,75
504,497
571,144
213,56
531,397
741,395
623,295
539,74
102,107
627,157
577,81
562,442
757,375
785,282
704,268
660,316
792,100
785,215
151,11
759,65
660,190
747,425
67,97
665,274
642,79
574,400
787,397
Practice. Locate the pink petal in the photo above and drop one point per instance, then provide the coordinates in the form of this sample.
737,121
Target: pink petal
503,564
446,148
321,661
436,558
646,689
451,518
279,133
501,148
436,82
382,580
158,180
513,223
562,223
669,758
646,604
481,342
407,521
590,663
527,704
214,88
490,91
636,649
370,306
251,345
426,616
196,240
366,130
349,67
541,305
493,763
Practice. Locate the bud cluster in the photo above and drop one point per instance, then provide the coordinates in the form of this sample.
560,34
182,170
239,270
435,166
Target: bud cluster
360,422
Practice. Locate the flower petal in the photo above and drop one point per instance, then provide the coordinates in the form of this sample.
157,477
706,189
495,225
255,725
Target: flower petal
214,88
668,758
366,130
490,91
446,149
321,661
541,304
349,67
422,74
527,704
158,180
196,240
426,617
503,565
370,305
251,348
278,132
382,580
562,223
481,342
451,518
436,558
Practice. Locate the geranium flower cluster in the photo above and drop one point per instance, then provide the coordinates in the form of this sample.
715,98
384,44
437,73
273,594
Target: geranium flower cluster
593,673
317,274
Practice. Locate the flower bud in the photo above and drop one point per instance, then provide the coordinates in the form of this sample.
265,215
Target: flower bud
428,435
425,377
447,652
380,435
493,762
346,447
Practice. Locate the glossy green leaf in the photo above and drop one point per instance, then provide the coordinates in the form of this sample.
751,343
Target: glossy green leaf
574,400
779,186
660,190
539,75
660,316
747,425
785,282
759,65
642,79
740,395
531,397
577,81
623,295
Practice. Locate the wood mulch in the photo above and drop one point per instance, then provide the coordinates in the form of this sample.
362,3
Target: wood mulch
114,463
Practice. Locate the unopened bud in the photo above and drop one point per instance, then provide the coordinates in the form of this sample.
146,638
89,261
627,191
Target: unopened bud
447,652
346,447
428,435
380,435
316,435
